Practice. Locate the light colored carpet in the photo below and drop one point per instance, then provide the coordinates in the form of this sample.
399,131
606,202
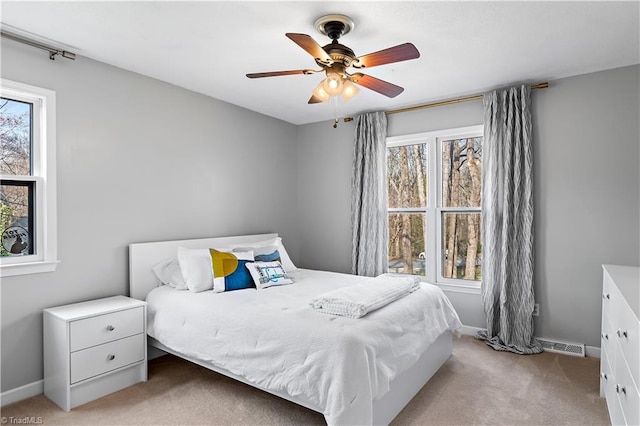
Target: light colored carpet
477,386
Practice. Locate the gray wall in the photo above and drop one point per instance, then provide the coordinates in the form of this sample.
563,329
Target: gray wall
587,194
139,160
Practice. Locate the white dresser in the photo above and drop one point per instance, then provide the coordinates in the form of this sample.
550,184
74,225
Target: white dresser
93,348
620,361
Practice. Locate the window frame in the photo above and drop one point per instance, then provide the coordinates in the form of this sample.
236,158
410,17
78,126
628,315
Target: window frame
43,176
434,209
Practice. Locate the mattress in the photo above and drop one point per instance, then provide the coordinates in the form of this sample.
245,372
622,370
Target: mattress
273,339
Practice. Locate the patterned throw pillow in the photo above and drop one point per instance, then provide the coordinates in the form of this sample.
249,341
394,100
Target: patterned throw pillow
274,256
262,254
229,271
268,274
271,244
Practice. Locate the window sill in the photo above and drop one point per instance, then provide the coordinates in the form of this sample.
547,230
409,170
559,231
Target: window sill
460,288
453,286
28,268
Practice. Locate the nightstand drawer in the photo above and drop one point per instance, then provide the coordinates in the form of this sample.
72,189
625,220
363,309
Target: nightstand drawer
103,358
100,329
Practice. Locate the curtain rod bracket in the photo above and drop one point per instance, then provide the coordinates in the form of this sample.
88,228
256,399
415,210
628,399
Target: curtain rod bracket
52,50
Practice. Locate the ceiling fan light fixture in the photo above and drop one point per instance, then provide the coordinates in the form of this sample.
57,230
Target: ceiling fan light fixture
333,84
349,90
335,59
320,93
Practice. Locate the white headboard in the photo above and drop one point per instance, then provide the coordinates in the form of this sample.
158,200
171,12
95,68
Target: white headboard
144,256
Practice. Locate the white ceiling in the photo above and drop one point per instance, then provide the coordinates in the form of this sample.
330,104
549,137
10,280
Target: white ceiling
466,47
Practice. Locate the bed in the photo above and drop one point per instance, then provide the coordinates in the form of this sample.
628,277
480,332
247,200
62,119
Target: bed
353,371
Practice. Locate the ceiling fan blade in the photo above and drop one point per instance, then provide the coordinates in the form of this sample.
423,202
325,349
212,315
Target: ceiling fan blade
383,87
402,52
311,46
277,73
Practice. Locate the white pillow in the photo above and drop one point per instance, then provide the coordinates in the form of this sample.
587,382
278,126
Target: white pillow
268,274
195,265
287,264
168,272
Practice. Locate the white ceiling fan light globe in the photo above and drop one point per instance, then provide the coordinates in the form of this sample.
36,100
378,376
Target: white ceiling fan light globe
320,93
333,84
349,90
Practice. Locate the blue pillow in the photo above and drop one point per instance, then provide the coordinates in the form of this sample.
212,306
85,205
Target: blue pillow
268,257
229,270
239,279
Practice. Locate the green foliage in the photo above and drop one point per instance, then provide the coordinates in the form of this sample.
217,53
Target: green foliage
6,213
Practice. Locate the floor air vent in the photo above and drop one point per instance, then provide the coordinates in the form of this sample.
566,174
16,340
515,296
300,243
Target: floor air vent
574,349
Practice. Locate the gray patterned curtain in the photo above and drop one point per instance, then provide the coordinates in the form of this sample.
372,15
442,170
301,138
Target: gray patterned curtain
507,221
369,196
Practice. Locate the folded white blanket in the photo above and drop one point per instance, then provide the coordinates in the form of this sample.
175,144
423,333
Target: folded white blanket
357,300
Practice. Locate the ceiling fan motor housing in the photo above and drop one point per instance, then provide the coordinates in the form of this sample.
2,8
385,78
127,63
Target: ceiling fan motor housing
341,54
334,26
334,29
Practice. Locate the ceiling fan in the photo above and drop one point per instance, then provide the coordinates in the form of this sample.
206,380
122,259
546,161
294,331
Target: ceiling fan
334,59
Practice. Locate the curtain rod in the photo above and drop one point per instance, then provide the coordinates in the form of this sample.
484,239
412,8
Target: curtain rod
52,50
446,102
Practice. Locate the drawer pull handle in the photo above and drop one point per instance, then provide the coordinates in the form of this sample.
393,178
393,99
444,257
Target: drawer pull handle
605,336
110,328
604,376
111,357
622,333
621,389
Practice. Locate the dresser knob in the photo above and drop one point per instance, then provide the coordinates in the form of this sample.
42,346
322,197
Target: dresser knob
110,328
605,336
111,357
621,389
622,333
606,296
604,376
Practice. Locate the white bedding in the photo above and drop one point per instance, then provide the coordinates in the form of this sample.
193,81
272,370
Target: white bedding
275,340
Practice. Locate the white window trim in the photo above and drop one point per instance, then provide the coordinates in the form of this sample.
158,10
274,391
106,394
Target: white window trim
434,209
44,173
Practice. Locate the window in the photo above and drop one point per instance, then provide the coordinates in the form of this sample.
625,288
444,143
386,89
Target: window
434,183
27,185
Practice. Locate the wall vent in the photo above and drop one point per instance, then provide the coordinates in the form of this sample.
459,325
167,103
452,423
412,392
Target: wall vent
573,349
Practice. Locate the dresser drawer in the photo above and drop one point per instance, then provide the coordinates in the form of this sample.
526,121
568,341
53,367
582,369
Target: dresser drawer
626,327
608,337
104,358
627,393
99,329
607,287
606,374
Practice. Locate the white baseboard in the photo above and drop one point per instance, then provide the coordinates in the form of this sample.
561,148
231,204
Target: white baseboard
467,330
590,351
23,392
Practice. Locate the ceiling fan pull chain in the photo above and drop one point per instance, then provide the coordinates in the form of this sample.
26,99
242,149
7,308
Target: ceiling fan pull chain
334,101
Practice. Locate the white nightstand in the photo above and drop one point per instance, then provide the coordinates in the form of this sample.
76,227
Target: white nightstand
93,348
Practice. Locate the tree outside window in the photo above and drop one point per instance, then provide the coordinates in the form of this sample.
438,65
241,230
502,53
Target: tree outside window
16,196
434,184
